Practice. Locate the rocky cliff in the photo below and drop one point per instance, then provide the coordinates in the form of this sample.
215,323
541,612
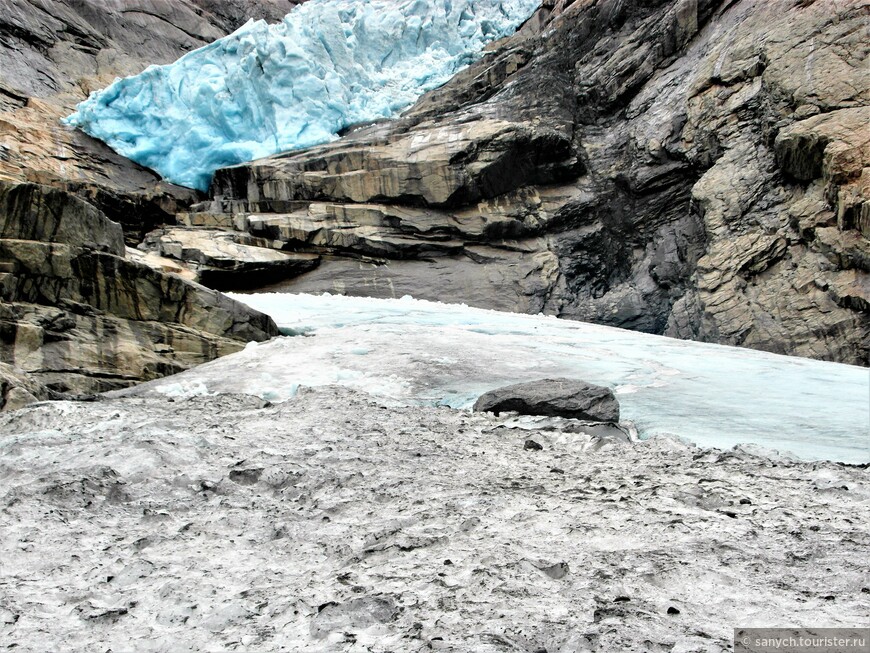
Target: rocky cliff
77,317
696,168
55,52
689,167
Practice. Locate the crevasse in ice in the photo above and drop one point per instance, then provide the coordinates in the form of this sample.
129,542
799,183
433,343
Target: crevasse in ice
270,88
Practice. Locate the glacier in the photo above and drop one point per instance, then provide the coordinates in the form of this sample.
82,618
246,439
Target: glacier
415,352
267,88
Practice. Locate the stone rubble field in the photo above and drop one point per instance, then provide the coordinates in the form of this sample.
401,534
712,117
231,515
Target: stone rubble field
333,522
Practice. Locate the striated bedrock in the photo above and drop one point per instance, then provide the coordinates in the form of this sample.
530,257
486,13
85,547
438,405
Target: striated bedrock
221,259
53,53
697,168
77,317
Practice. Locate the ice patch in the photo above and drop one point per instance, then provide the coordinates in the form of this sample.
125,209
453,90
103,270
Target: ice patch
271,88
184,389
428,353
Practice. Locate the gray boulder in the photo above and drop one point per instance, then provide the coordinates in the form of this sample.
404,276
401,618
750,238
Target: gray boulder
78,317
553,398
17,389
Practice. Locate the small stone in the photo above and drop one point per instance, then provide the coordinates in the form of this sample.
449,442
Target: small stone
8,617
557,571
531,445
673,610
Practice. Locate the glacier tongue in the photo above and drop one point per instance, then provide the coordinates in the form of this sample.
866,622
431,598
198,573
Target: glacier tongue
270,88
418,352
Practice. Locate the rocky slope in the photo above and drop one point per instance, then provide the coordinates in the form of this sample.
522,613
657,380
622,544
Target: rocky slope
335,523
697,168
77,316
690,167
55,52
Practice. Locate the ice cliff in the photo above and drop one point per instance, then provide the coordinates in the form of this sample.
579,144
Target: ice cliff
270,88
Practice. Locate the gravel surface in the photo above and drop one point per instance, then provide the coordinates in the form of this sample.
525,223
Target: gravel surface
333,522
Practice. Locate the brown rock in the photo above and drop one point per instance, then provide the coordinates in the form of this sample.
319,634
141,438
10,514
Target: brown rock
80,319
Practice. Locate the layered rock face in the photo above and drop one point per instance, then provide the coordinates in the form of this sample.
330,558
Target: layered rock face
688,167
55,52
77,317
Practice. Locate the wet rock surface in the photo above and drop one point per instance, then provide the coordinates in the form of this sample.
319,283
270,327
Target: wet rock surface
568,398
336,523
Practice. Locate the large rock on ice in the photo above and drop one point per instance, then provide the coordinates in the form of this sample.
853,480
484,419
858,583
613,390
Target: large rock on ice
568,398
270,88
78,317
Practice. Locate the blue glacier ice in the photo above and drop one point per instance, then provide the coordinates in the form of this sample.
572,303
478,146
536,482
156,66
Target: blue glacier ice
271,88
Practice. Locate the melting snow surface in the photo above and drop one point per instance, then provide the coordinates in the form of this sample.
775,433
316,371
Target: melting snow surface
271,88
418,352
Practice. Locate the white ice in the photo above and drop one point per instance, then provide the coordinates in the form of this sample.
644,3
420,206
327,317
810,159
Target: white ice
417,352
271,88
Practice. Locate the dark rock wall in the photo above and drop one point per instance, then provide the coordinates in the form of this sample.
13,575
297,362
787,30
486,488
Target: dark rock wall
697,168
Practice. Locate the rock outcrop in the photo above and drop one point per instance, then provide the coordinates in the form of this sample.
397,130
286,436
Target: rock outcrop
568,398
223,260
18,389
78,317
697,168
55,52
